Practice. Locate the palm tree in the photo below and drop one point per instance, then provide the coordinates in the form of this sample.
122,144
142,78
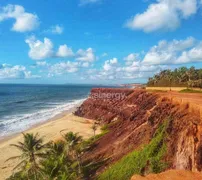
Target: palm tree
32,149
56,148
169,76
94,128
73,140
58,164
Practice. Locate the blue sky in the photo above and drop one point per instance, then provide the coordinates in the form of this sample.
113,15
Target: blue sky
97,41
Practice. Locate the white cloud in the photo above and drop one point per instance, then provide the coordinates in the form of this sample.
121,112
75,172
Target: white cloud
14,72
167,52
38,49
64,67
41,63
85,55
24,21
84,2
163,15
57,29
44,49
193,55
112,70
131,58
85,64
109,64
64,51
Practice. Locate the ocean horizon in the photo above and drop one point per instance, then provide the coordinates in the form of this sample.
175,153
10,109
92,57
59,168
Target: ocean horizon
23,106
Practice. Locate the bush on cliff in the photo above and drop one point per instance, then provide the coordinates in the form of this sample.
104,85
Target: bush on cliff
149,158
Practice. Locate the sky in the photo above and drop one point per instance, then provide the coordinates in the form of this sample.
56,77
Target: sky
97,41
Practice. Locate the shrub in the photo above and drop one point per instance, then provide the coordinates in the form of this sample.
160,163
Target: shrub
150,156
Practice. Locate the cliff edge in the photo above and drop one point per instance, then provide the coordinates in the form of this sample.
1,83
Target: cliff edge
133,118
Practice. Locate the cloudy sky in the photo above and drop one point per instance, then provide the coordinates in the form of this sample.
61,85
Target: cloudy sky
97,41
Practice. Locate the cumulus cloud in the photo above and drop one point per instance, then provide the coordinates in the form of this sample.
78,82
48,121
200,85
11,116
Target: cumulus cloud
159,57
131,58
167,52
163,15
190,56
86,55
109,64
64,51
38,49
85,64
14,72
24,21
64,67
57,29
41,63
112,70
44,49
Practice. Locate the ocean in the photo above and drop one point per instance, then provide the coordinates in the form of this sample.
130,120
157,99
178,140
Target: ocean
23,106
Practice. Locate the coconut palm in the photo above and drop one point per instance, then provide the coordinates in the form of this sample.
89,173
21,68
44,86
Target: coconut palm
31,151
94,128
58,164
73,140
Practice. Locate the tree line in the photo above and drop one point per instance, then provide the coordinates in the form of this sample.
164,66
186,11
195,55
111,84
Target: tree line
179,77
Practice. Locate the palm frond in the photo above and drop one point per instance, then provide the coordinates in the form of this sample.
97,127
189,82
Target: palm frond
14,157
21,148
18,165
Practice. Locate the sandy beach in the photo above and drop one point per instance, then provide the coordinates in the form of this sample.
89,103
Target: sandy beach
50,131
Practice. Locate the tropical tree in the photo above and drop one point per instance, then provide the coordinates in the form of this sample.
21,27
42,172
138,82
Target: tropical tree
200,78
32,149
94,128
57,165
73,140
178,77
169,76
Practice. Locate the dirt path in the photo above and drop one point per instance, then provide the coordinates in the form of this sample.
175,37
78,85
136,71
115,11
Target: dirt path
194,98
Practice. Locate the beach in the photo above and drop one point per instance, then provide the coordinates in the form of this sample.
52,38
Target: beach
49,131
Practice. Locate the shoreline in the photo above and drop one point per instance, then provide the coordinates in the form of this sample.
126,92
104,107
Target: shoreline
54,118
50,131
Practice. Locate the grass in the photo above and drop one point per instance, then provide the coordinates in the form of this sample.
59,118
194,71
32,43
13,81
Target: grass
190,91
89,142
137,162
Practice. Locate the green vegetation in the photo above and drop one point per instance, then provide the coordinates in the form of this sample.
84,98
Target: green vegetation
62,160
190,91
59,160
87,144
181,77
32,149
52,161
149,158
94,128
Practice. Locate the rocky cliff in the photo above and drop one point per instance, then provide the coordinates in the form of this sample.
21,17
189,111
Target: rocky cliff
134,116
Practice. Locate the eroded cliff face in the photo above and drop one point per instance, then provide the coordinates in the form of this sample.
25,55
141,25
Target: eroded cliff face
134,117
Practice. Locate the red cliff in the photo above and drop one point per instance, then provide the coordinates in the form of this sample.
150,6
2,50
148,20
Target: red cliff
134,116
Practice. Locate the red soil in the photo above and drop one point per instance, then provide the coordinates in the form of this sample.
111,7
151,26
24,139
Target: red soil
133,121
171,175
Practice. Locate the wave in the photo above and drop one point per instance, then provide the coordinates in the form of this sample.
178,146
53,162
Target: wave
21,122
